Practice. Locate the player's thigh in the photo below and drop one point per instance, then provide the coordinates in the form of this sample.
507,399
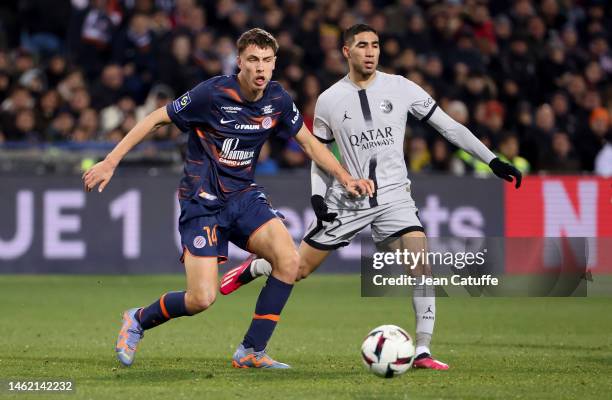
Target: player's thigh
413,242
273,242
202,281
310,259
398,227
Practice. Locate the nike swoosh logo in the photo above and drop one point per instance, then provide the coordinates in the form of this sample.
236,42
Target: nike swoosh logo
225,122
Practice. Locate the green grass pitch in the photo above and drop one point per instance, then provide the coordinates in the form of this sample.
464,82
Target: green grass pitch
64,327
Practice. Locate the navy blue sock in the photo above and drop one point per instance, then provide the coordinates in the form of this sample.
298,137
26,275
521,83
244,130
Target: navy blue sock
170,305
270,303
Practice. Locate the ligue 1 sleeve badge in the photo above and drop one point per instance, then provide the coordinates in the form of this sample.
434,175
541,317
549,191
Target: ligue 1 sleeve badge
386,106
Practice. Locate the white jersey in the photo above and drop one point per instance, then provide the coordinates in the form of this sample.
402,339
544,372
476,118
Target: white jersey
369,127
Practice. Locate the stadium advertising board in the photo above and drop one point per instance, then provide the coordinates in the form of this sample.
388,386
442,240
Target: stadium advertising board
49,224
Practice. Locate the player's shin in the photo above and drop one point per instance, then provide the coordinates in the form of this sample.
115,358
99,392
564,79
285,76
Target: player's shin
170,305
272,299
424,304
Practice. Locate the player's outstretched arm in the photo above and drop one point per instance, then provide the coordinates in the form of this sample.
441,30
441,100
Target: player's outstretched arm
461,137
101,173
326,160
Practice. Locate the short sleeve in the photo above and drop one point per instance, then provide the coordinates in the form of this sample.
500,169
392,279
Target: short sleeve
321,128
421,104
191,108
290,120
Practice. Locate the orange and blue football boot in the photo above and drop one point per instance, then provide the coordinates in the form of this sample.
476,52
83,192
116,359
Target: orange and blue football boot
129,336
248,358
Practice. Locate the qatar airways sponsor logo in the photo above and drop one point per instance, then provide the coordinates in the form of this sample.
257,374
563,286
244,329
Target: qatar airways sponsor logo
232,157
372,138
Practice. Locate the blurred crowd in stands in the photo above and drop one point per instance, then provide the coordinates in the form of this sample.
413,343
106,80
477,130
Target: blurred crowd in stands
532,79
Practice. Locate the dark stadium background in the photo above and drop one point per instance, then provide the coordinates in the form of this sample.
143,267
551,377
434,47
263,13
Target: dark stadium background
530,78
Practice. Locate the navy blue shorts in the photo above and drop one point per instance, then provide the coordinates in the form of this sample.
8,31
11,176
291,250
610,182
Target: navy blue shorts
206,233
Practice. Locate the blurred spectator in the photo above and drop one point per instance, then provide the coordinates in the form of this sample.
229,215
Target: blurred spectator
561,157
563,115
90,34
593,139
136,45
79,101
109,89
48,108
508,151
61,127
24,128
537,141
178,69
440,156
56,70
419,157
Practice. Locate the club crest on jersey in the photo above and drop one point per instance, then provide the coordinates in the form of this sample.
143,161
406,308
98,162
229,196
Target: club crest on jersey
182,102
386,106
266,123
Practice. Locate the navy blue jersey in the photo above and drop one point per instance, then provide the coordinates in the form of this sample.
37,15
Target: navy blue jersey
226,133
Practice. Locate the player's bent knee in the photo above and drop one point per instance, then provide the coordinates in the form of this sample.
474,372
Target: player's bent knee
287,265
197,302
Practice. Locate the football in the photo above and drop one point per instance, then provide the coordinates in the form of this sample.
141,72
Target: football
388,351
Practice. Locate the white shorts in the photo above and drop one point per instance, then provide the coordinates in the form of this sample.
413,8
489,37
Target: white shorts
386,221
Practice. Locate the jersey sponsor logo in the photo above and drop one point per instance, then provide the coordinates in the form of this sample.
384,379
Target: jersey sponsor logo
182,102
372,138
246,127
427,103
297,115
266,123
231,109
232,157
267,109
386,106
223,121
199,242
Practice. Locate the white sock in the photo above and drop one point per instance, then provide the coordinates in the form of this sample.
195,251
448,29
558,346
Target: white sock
424,304
260,267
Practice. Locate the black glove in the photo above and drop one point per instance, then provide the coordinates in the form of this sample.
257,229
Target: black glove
506,171
320,209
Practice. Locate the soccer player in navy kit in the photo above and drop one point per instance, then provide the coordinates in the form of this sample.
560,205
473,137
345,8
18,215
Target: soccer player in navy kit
228,119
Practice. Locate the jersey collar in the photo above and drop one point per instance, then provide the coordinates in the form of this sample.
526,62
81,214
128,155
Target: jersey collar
357,87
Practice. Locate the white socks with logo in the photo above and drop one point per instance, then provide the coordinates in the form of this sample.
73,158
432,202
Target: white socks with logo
424,304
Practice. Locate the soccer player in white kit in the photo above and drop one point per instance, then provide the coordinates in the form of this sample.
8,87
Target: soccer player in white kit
365,114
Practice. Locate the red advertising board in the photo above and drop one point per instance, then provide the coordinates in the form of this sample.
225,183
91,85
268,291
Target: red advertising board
569,207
